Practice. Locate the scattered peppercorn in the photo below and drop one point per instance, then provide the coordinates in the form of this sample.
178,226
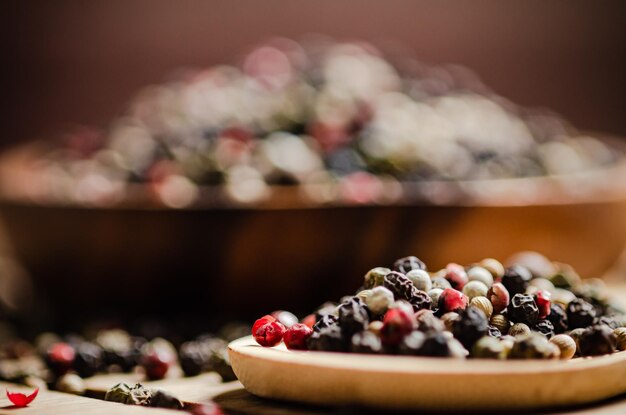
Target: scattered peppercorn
470,327
269,334
542,299
523,309
516,279
519,329
597,340
296,336
499,297
452,300
544,327
408,263
620,338
558,318
580,314
566,345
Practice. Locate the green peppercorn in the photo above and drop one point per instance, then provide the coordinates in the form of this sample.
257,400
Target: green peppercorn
488,348
375,277
620,336
519,329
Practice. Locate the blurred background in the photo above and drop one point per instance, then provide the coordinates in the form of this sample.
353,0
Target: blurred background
70,62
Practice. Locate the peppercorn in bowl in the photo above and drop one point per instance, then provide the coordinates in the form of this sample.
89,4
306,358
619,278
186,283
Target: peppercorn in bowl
410,337
320,156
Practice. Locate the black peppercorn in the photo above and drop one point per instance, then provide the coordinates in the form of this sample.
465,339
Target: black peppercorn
400,285
493,331
163,399
408,263
88,359
421,301
558,318
544,327
470,326
325,321
366,342
523,309
516,279
580,314
193,358
597,340
327,339
353,317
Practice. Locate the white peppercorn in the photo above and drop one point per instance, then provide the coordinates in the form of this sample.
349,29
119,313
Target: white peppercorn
566,345
483,304
364,294
481,274
500,322
494,266
420,279
379,301
475,289
434,294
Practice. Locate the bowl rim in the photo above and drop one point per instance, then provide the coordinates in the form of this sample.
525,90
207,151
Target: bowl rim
600,185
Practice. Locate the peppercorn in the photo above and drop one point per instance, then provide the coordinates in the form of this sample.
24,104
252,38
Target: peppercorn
193,358
157,362
533,346
119,393
620,338
488,348
519,329
475,289
580,314
60,358
562,297
483,304
379,301
477,273
544,327
408,263
364,294
493,331
565,276
353,317
493,266
366,342
542,299
328,308
597,340
269,334
434,295
296,337
426,321
470,327
420,279
88,359
523,309
285,318
575,334
612,322
139,395
401,287
566,345
375,276
421,301
326,321
397,323
516,279
499,297
452,300
500,322
558,318
70,383
449,318
542,284
456,276
412,343
440,283
162,399
436,344
327,339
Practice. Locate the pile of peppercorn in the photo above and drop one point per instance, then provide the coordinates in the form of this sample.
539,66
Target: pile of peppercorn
61,363
531,309
342,118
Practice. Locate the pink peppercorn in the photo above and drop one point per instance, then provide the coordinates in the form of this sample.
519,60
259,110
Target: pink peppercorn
499,297
262,321
452,300
397,323
542,298
269,334
296,336
309,320
456,276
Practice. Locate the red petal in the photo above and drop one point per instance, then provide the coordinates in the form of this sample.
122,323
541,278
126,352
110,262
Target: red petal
19,399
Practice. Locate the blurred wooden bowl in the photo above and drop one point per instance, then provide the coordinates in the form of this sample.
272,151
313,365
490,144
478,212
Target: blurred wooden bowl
288,253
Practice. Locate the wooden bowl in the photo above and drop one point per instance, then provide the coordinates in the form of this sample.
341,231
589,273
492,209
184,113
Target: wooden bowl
399,382
288,252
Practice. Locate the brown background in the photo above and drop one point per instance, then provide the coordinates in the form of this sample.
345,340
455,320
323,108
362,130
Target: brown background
78,61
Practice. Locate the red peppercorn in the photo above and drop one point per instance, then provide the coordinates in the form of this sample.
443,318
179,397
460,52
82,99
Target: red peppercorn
296,336
499,297
269,334
397,323
260,322
542,298
452,300
156,363
60,358
456,276
309,320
